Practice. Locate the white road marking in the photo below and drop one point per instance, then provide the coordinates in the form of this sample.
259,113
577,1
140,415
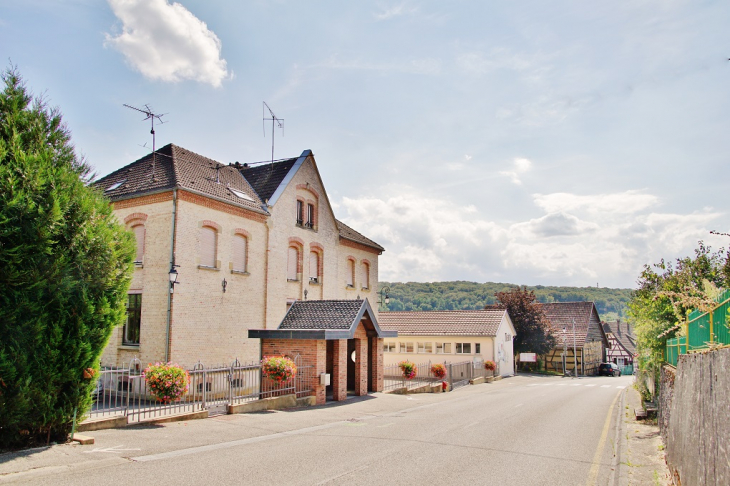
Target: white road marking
620,387
518,405
110,449
533,384
591,385
605,386
562,384
576,384
547,384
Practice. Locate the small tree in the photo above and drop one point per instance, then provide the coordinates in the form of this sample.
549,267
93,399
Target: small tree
531,325
65,268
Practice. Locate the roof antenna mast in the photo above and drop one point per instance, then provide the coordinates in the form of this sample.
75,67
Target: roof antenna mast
150,116
275,120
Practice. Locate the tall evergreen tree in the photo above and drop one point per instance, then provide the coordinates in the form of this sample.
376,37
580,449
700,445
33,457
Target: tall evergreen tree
65,268
531,325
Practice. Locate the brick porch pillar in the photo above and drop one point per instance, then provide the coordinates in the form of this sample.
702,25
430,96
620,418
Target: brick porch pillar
320,368
339,370
376,369
361,367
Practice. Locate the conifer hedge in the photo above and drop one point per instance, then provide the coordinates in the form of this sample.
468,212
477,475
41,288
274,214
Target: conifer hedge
65,268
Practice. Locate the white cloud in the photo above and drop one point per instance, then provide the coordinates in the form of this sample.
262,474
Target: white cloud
432,239
519,166
395,11
166,42
618,203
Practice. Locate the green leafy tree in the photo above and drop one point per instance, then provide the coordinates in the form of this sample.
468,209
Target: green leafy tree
666,293
531,325
65,268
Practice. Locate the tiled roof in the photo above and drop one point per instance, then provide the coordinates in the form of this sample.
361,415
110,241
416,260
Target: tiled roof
322,314
443,323
350,234
622,332
179,167
561,315
266,178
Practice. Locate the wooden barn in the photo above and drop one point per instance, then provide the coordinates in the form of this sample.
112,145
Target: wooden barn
589,339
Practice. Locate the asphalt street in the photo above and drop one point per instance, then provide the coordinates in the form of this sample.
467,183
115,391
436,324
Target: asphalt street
524,430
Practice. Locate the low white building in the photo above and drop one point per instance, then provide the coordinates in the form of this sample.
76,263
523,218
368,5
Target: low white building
449,336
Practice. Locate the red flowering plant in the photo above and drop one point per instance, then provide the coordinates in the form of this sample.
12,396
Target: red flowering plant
490,365
408,369
166,381
278,368
438,370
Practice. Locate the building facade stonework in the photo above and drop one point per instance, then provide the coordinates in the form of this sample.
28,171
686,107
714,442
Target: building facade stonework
230,232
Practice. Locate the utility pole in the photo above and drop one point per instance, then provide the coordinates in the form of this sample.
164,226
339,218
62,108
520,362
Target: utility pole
575,354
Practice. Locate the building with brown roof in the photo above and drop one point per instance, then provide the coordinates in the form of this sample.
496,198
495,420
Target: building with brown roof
622,349
244,243
449,336
581,340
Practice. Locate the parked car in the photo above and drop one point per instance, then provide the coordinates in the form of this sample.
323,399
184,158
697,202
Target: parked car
609,369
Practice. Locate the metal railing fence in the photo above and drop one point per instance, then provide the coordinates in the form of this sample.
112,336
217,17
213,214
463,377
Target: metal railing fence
124,391
703,330
457,375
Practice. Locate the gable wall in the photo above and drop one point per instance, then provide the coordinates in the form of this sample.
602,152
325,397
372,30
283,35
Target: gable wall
283,230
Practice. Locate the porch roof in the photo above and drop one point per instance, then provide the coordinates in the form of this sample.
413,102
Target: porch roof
324,319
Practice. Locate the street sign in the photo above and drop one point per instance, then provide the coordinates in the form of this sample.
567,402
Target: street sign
528,357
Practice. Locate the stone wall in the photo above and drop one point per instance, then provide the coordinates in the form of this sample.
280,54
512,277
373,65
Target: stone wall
698,430
666,395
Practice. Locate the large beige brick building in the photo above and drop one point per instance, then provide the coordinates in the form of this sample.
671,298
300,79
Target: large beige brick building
246,242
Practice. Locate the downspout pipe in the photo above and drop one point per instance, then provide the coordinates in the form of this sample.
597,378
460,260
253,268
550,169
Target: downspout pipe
170,285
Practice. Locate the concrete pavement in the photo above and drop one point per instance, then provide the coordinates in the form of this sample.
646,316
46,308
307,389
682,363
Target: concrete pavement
523,430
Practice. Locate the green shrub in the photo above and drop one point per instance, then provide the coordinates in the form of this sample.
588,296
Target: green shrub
65,267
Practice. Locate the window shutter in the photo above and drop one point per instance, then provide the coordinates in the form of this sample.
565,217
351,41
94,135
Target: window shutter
207,246
350,273
314,265
239,253
139,236
291,273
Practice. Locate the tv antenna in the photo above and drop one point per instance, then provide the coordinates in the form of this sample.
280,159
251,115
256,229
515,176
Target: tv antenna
275,120
150,116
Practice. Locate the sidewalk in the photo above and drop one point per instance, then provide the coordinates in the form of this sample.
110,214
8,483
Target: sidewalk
641,452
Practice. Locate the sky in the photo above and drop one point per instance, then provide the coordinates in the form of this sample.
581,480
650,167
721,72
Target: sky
531,142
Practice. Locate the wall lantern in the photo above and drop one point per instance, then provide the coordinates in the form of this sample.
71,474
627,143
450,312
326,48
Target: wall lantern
173,277
384,297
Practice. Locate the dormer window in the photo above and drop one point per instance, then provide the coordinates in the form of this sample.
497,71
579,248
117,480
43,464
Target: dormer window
116,185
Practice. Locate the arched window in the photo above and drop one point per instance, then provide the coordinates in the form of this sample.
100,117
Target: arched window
350,277
365,268
292,263
208,246
139,236
240,252
314,267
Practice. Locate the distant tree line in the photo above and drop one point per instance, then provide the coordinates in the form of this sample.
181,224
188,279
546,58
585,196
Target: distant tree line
460,295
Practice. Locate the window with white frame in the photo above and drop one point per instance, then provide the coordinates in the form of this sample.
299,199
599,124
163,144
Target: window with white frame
405,347
443,348
208,246
292,263
425,348
139,233
463,348
365,269
314,267
240,252
389,347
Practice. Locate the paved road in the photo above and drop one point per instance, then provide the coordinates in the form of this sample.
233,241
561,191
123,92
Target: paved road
523,430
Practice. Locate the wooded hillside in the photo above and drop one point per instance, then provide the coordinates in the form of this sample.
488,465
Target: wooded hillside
611,303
